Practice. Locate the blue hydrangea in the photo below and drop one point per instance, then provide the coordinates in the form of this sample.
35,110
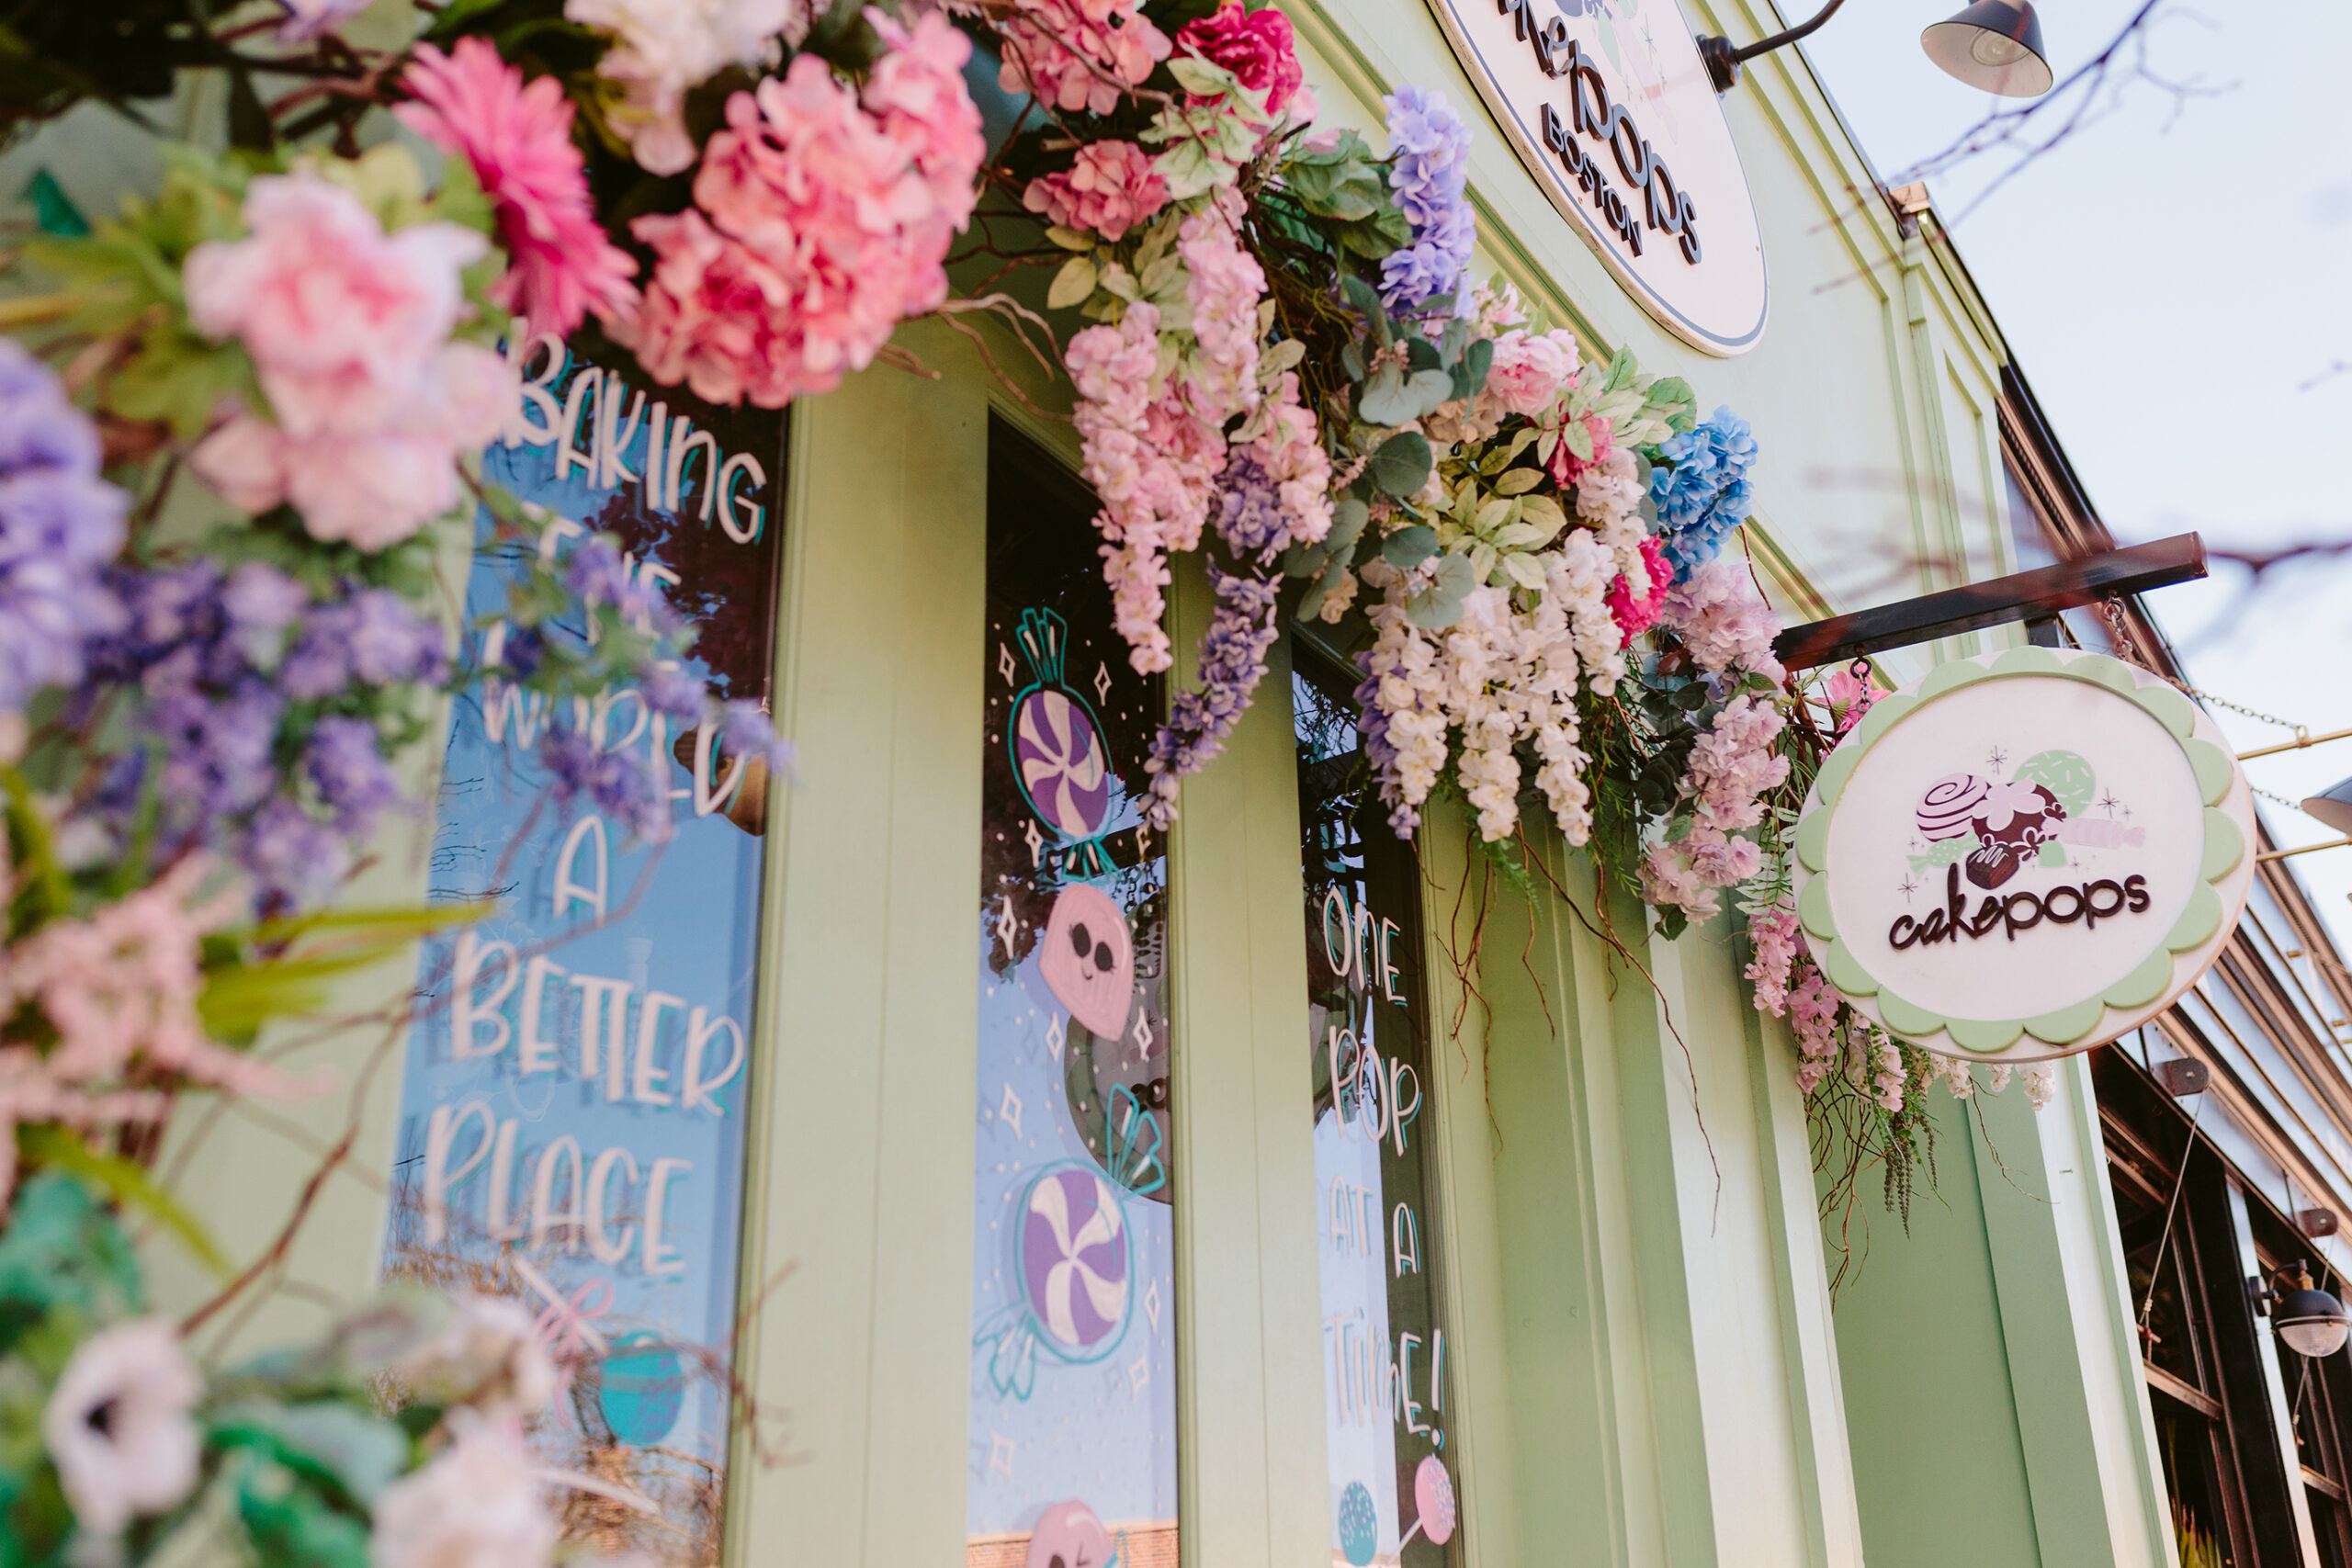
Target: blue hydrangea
1430,178
1702,490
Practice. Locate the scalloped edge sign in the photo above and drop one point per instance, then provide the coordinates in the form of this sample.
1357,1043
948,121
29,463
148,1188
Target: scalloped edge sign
2178,951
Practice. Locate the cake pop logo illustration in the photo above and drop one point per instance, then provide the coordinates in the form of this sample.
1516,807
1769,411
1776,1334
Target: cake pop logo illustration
1067,1535
1358,1524
1088,958
1433,1501
2023,854
1059,758
644,1386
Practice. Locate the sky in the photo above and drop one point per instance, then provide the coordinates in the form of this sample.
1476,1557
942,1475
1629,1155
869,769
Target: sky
2172,280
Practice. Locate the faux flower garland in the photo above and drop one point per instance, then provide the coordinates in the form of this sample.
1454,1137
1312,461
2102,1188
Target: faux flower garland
239,417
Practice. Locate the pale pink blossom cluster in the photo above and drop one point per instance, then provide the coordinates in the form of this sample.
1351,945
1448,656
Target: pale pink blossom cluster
1111,188
371,405
1724,622
663,47
1813,1014
476,1505
1079,54
1773,936
1889,1080
120,991
820,224
1284,438
2040,1086
1499,675
1151,412
1688,872
1732,763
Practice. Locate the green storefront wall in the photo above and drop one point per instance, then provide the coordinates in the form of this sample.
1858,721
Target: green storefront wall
1651,1371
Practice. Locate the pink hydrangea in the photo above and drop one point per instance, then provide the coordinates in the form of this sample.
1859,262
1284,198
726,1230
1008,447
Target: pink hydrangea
713,316
821,225
517,137
348,328
1773,935
1634,616
1079,54
1110,189
1257,47
916,94
1850,697
1531,372
1719,617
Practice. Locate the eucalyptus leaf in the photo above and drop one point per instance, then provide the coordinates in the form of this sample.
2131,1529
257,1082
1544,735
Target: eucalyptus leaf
1349,517
1351,359
1430,388
1385,399
1401,465
1421,353
1453,341
1440,605
1409,548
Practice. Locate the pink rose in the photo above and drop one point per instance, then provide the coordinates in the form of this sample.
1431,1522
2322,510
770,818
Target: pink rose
1110,189
1256,46
348,329
1531,371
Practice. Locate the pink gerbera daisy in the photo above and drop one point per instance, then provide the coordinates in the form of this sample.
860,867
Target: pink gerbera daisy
518,139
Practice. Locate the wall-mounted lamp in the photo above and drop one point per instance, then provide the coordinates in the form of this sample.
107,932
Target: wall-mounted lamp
1995,45
2312,1322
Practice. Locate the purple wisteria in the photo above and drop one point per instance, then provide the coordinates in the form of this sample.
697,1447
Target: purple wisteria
256,716
1430,177
1233,659
59,523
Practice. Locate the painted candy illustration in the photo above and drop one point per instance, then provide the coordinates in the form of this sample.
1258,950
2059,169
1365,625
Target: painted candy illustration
2068,776
1067,1535
1058,757
1088,958
2014,821
1074,1259
1358,1524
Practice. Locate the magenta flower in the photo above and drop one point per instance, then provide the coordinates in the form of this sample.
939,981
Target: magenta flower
517,136
1110,189
1257,47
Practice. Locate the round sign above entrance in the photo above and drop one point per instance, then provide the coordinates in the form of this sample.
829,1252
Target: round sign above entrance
1609,106
2025,855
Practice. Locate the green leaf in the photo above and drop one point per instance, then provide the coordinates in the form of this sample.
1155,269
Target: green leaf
1519,536
62,1252
1073,285
1070,239
1348,517
1518,481
1524,570
1440,605
1401,465
1409,548
46,1143
53,209
358,1452
1578,437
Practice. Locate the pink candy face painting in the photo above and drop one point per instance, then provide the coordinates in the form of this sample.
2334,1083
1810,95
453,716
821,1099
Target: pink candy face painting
1088,958
1067,1535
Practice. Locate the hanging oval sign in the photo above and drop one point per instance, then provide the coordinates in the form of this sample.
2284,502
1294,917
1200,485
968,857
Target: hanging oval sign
2024,855
1610,106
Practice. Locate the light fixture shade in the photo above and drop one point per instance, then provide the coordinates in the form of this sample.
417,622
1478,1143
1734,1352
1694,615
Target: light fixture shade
2312,1323
1995,45
2335,807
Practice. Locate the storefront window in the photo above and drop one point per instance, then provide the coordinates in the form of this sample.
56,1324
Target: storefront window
573,1106
1386,1372
1073,1424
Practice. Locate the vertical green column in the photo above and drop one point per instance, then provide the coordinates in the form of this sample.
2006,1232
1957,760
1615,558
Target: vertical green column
860,1191
1249,1416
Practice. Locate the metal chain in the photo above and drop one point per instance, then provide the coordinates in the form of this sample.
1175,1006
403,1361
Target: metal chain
2209,698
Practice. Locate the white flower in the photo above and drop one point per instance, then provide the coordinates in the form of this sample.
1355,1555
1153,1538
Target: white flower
489,1355
2040,1086
118,1425
476,1505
